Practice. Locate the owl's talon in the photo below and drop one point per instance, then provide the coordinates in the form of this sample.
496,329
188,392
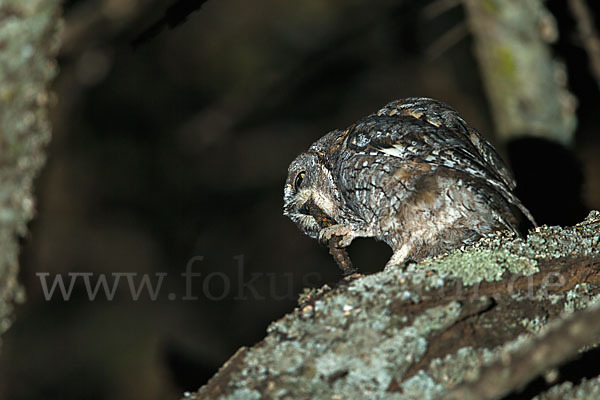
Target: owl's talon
343,231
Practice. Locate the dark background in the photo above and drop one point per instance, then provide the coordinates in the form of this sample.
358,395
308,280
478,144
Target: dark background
179,148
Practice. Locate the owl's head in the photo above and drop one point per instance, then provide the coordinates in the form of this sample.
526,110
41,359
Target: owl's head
310,181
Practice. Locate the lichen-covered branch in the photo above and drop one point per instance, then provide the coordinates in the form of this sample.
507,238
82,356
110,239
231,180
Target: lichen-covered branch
558,344
422,331
526,87
28,45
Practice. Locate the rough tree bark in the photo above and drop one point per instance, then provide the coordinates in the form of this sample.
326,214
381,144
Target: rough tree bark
477,323
29,38
526,87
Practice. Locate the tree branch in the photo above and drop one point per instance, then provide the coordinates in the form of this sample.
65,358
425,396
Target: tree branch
29,32
422,331
588,34
558,344
526,87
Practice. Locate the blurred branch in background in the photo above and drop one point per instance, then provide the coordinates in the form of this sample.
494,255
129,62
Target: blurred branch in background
526,87
92,22
174,16
452,36
588,35
29,40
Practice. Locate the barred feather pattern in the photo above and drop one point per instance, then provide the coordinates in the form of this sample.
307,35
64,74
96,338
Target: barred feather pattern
413,175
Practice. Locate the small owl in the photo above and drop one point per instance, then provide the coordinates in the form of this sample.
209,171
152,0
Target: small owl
413,175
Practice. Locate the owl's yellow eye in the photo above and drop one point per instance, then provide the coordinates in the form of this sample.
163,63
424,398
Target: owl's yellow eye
299,179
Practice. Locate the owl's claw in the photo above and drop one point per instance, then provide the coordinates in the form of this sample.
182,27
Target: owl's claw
345,232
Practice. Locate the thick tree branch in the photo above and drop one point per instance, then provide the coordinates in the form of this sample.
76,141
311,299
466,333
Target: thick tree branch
559,344
422,331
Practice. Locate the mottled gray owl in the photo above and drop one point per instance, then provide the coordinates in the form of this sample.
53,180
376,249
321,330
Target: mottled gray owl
413,175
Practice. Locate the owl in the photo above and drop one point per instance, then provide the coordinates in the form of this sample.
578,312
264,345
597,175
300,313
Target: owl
413,175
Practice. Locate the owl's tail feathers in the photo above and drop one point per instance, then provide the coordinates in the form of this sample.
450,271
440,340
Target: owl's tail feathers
526,212
512,199
517,203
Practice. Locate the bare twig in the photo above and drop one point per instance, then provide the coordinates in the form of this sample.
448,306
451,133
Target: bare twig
588,34
175,15
557,345
438,7
449,39
341,257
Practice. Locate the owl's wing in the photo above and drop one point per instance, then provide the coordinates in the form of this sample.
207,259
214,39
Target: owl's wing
415,139
432,125
428,131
